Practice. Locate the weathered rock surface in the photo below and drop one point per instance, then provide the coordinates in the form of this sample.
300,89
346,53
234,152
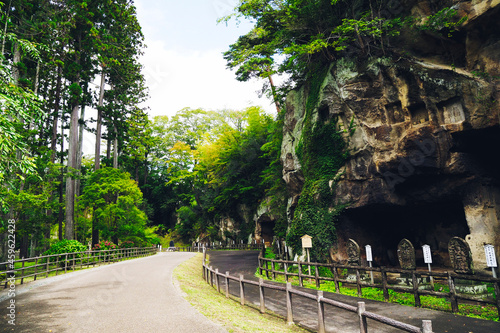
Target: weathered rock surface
424,158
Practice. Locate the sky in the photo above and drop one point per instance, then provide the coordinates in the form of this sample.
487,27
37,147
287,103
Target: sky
183,62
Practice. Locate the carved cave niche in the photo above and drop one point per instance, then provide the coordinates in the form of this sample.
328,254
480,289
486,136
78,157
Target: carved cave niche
395,112
480,145
419,114
451,111
384,226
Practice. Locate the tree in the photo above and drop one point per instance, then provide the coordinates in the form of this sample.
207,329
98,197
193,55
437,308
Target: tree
111,200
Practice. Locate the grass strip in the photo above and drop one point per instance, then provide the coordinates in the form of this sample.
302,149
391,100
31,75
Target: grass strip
221,310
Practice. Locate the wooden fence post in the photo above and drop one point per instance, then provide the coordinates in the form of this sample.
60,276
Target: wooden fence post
22,272
242,290
363,327
289,313
453,294
210,274
497,293
301,283
273,263
286,271
415,289
217,280
336,279
227,284
316,273
36,268
426,326
358,283
261,293
384,283
321,313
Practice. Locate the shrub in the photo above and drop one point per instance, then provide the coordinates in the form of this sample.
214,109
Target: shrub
65,246
126,245
104,245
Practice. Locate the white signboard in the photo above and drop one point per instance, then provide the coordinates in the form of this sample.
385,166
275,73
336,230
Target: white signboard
368,249
307,242
427,254
489,251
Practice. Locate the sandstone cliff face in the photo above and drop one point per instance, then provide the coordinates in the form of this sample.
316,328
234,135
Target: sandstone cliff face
425,156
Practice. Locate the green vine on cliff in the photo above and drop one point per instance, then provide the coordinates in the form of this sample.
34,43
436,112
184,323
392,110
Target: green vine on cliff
322,151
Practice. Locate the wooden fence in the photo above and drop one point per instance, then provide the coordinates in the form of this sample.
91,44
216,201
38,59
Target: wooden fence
217,247
213,277
43,265
450,278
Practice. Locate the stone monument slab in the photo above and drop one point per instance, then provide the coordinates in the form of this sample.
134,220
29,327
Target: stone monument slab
353,253
460,256
406,254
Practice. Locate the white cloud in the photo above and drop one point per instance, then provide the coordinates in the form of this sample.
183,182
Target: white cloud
185,78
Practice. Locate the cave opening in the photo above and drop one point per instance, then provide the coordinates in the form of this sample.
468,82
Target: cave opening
267,231
384,226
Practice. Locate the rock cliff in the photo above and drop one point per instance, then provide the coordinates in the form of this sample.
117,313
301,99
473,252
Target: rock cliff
425,154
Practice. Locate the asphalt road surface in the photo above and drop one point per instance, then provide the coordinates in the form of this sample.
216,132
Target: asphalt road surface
131,296
338,320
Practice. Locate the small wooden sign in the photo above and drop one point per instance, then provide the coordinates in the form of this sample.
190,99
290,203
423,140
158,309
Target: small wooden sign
368,249
427,254
489,251
306,242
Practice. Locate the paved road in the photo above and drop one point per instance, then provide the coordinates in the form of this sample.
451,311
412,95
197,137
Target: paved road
337,320
131,296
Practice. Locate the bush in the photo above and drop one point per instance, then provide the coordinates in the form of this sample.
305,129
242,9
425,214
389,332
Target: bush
104,245
126,245
65,246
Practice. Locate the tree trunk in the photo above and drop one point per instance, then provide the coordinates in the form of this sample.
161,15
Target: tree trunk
23,249
61,180
146,170
70,178
37,82
16,59
273,91
80,150
95,232
5,26
115,148
56,115
98,132
108,149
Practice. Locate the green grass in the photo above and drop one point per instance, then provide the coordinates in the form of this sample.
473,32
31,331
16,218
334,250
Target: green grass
226,312
488,312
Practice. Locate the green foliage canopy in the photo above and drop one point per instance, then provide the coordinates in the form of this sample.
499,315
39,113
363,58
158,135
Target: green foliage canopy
112,198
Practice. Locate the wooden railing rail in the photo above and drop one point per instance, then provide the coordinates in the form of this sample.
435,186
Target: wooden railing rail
212,277
44,265
268,267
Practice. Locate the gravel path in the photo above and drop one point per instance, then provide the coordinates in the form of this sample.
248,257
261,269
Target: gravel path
131,296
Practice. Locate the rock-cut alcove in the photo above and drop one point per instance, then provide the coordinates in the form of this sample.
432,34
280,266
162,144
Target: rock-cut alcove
384,226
